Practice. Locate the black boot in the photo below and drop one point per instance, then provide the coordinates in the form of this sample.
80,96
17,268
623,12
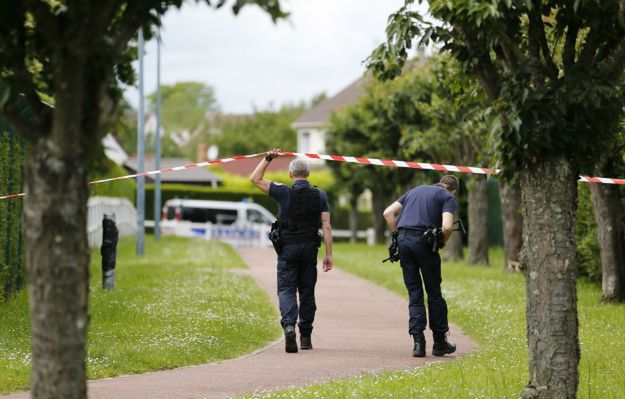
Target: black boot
290,341
305,341
419,345
441,345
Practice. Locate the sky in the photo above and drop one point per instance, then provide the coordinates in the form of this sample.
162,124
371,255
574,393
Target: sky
255,64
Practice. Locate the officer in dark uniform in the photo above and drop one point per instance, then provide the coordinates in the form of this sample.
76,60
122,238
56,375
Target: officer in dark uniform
420,209
303,210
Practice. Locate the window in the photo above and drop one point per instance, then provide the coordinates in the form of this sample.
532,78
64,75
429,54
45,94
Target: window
225,216
254,216
195,215
304,142
207,215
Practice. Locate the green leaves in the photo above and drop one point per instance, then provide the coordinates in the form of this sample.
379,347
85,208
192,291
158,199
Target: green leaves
388,58
549,71
5,93
272,7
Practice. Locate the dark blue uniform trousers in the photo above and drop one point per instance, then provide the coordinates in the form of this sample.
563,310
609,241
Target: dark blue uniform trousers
422,266
297,273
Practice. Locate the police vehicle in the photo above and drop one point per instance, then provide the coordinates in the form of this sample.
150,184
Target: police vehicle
239,223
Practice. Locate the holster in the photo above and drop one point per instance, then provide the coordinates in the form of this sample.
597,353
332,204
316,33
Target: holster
434,238
274,237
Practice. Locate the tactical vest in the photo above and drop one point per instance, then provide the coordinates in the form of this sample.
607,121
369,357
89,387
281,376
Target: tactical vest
304,212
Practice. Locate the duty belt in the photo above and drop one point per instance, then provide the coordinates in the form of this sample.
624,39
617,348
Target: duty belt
410,233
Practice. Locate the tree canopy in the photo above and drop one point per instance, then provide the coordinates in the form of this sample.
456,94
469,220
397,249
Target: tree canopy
549,66
185,105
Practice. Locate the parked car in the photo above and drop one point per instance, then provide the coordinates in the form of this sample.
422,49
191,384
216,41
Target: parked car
235,222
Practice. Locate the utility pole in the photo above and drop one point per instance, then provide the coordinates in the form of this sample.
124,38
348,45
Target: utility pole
157,143
140,156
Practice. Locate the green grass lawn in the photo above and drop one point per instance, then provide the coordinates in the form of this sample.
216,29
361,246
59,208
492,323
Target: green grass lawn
178,305
489,305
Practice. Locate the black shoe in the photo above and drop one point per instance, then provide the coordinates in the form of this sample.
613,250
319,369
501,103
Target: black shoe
441,345
419,345
290,341
305,342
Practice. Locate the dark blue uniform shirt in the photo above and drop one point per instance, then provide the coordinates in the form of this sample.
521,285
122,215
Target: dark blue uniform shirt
423,207
281,193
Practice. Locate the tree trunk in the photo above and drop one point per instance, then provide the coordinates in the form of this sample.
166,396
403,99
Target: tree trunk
353,218
478,221
379,203
58,259
57,250
454,251
512,223
606,199
549,193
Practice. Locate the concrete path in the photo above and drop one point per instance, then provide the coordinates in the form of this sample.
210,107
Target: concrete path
359,328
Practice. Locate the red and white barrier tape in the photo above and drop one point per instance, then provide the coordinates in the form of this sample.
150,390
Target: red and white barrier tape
342,158
156,172
433,166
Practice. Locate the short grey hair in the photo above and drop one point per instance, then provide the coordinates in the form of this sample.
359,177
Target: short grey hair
299,167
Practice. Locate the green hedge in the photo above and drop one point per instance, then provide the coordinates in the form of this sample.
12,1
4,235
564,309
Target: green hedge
12,155
588,254
125,188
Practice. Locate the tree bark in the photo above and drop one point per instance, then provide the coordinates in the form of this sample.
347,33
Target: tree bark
353,218
549,193
379,203
58,258
606,199
510,195
55,217
454,250
478,221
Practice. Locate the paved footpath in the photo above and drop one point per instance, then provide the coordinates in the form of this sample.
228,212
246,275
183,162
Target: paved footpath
359,328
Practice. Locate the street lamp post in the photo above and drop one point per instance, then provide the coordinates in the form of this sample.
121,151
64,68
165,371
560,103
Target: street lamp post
140,156
157,143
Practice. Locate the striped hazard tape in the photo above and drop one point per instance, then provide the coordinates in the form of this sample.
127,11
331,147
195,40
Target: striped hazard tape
341,158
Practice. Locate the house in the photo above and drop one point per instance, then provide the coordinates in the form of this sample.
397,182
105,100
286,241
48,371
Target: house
312,126
199,176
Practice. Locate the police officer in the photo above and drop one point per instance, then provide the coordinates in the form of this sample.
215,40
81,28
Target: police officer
303,210
420,209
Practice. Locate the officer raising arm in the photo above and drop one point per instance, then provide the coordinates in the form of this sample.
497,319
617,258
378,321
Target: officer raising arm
424,209
303,210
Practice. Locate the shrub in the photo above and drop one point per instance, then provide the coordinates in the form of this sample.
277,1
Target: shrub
588,255
120,188
12,156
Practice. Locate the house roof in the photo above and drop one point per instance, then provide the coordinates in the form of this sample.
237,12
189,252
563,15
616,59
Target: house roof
244,167
113,150
320,115
193,176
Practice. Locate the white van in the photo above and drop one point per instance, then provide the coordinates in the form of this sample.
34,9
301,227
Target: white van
239,223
